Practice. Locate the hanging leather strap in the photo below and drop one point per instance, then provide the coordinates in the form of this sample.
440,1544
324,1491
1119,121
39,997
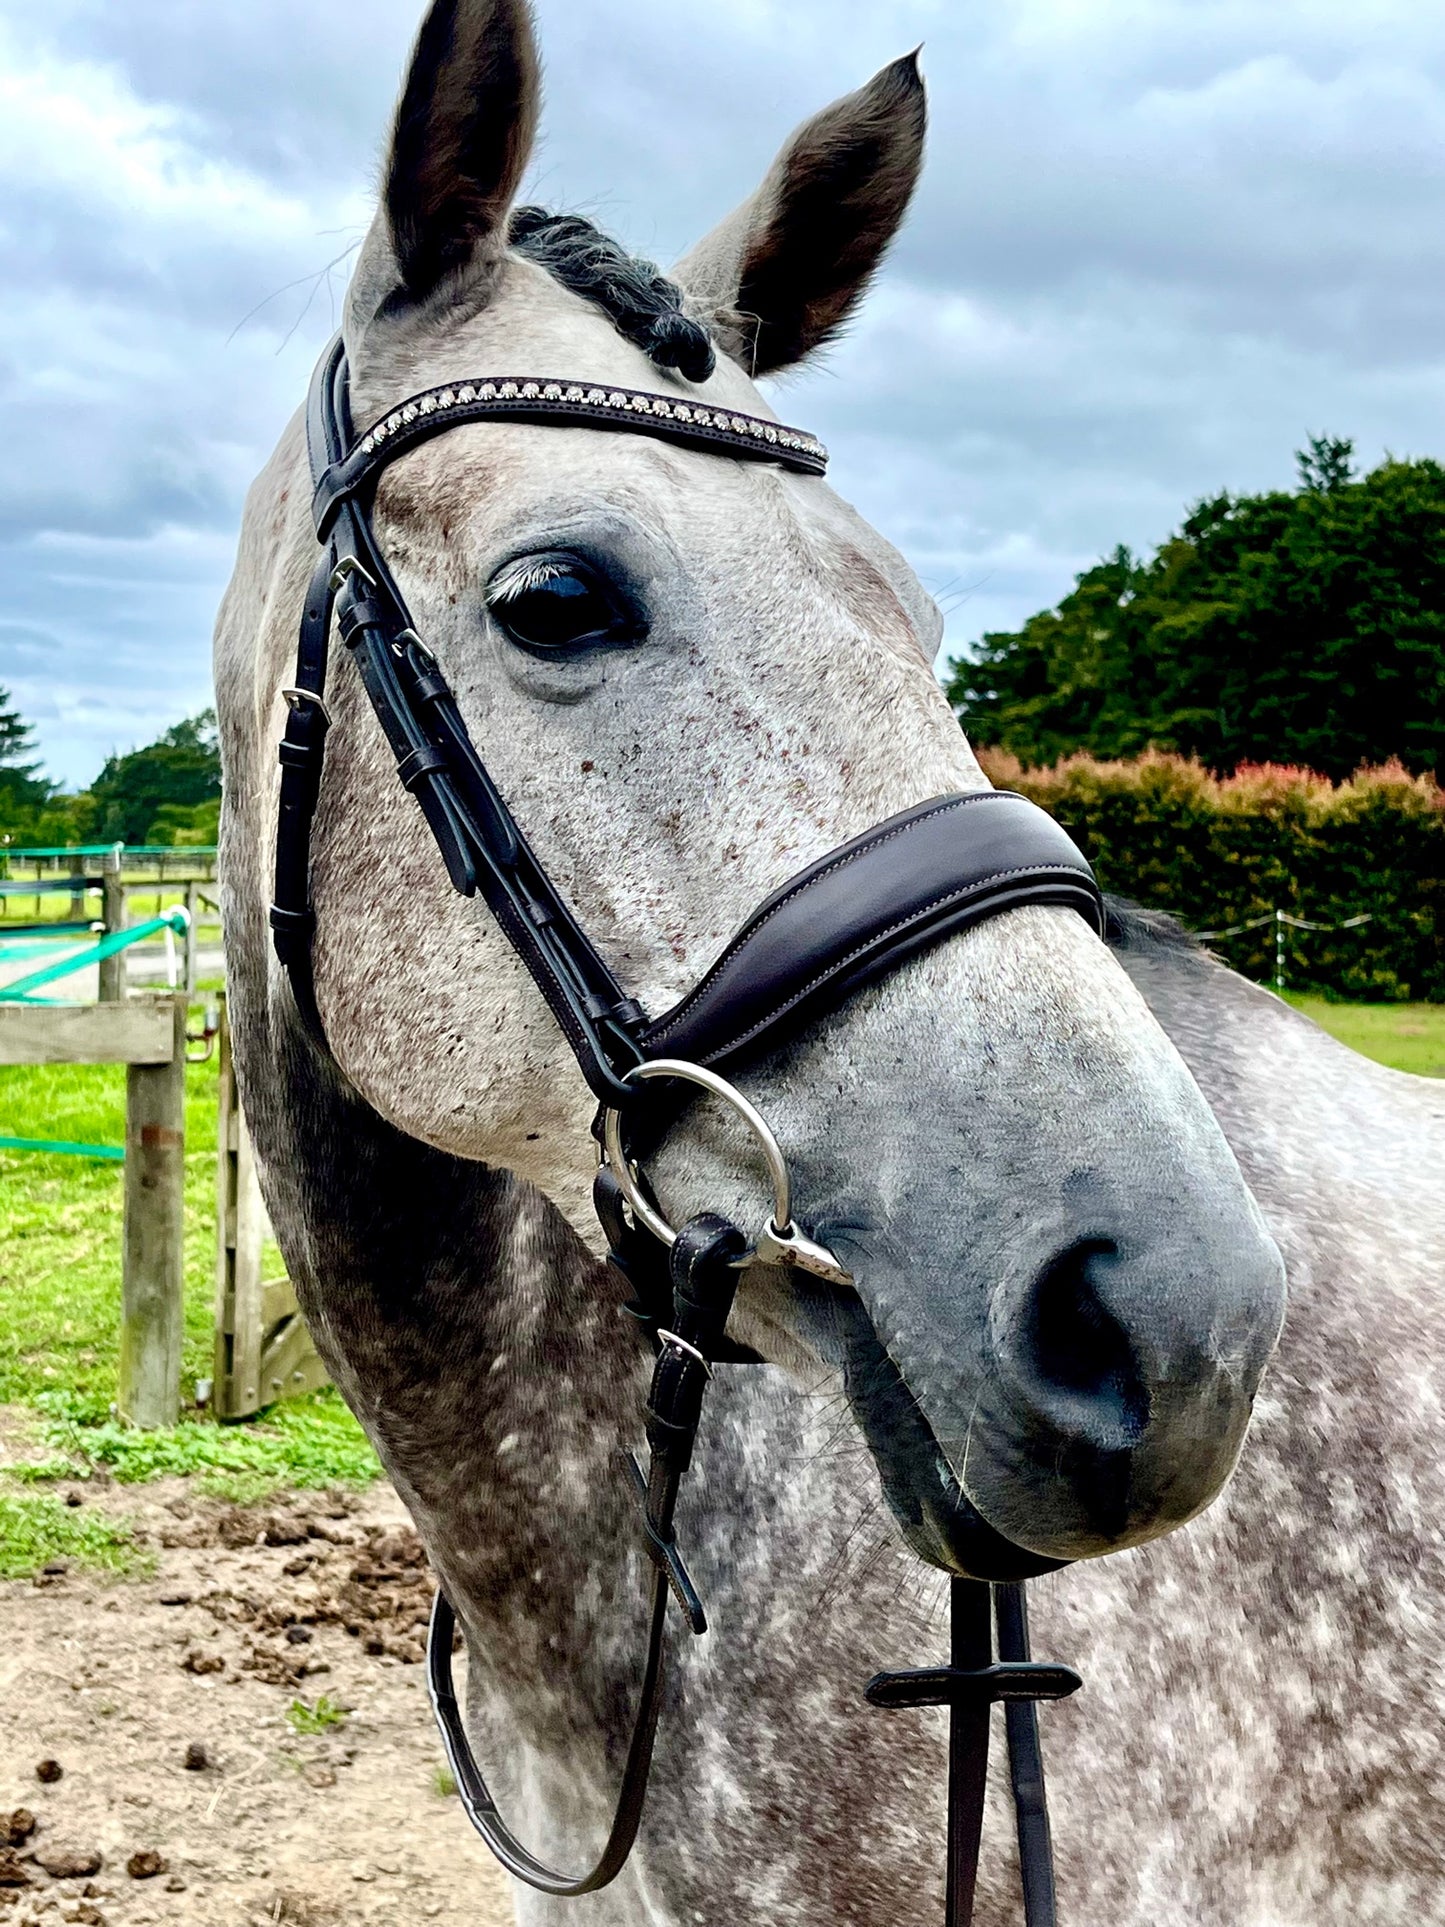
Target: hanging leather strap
704,1278
969,1686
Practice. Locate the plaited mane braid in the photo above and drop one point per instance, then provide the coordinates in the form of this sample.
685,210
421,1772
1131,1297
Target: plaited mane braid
643,305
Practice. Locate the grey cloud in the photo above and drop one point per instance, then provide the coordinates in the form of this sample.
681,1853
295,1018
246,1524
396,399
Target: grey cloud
1159,242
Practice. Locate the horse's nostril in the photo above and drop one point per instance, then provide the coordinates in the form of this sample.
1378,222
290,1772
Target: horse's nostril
1086,1372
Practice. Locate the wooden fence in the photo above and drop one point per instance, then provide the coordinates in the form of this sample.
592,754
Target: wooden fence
155,862
263,1351
113,889
149,1037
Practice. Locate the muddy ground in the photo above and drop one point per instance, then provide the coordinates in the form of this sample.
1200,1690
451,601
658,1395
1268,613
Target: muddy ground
164,1703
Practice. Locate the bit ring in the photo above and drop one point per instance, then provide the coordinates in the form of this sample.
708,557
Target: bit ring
641,1207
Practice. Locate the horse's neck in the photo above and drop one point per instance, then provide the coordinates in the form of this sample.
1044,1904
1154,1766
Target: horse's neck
1339,1151
480,1345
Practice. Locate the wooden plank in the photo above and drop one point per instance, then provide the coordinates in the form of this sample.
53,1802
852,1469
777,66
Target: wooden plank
240,1234
152,1273
193,909
86,1034
263,1350
278,1302
248,1329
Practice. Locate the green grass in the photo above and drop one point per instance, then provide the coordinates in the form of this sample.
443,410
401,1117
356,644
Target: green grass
35,1531
1407,1037
60,1227
60,1221
300,1443
319,1718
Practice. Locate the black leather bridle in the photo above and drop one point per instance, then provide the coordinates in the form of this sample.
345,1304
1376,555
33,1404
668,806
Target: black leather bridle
851,917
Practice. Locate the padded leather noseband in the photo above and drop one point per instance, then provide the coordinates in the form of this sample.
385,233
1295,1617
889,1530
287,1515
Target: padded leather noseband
859,912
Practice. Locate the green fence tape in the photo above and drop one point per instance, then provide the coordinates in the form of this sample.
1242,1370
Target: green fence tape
55,943
19,992
111,1153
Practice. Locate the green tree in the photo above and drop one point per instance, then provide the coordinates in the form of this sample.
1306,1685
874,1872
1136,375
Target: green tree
159,786
24,792
1302,626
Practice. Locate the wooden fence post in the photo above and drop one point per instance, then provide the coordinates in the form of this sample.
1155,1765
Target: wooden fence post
112,969
153,1271
263,1349
240,1230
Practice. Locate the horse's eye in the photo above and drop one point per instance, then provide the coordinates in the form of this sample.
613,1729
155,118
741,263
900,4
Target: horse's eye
547,603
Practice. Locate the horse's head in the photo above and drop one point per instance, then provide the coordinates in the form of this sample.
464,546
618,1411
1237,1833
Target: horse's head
690,676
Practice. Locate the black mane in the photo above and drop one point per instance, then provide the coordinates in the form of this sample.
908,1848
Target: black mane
643,305
1131,927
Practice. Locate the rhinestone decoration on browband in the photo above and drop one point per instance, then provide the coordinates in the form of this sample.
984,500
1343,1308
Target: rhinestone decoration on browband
518,398
750,433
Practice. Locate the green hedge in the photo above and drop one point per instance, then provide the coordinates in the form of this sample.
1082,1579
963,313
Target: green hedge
1218,851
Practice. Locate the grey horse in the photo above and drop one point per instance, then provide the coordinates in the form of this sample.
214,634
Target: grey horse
1066,1295
1263,1736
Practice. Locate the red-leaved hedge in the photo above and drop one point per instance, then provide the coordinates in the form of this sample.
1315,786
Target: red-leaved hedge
1216,851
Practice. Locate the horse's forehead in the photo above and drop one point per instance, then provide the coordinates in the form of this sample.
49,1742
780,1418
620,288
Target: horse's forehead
531,325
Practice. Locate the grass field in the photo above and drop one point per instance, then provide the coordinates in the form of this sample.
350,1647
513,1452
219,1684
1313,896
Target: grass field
1407,1037
60,1222
60,1225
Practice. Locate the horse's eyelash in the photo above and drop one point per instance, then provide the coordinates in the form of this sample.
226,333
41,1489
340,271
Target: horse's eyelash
522,579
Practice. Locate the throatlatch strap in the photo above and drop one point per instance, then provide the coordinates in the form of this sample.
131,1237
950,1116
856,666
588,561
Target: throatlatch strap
302,751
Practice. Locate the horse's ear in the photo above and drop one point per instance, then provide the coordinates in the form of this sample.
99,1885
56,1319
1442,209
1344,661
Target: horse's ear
463,133
783,272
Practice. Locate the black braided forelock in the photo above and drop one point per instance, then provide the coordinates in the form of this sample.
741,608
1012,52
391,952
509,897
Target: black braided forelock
642,304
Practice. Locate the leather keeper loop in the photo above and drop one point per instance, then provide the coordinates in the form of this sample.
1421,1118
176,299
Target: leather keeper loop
704,1278
431,687
425,760
356,612
302,756
291,931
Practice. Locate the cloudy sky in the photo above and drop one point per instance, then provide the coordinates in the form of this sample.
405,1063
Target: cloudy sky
1159,243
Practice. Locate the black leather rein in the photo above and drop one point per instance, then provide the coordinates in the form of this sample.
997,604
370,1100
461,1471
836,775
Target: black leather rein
851,917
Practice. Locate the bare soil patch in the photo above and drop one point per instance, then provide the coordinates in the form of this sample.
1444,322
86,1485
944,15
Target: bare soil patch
164,1702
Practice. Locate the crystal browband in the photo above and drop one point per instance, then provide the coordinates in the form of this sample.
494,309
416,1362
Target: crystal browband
516,398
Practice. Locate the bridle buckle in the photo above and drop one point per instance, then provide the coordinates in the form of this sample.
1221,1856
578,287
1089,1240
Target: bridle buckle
306,699
349,566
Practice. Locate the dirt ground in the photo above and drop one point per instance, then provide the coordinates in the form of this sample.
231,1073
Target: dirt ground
249,1610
